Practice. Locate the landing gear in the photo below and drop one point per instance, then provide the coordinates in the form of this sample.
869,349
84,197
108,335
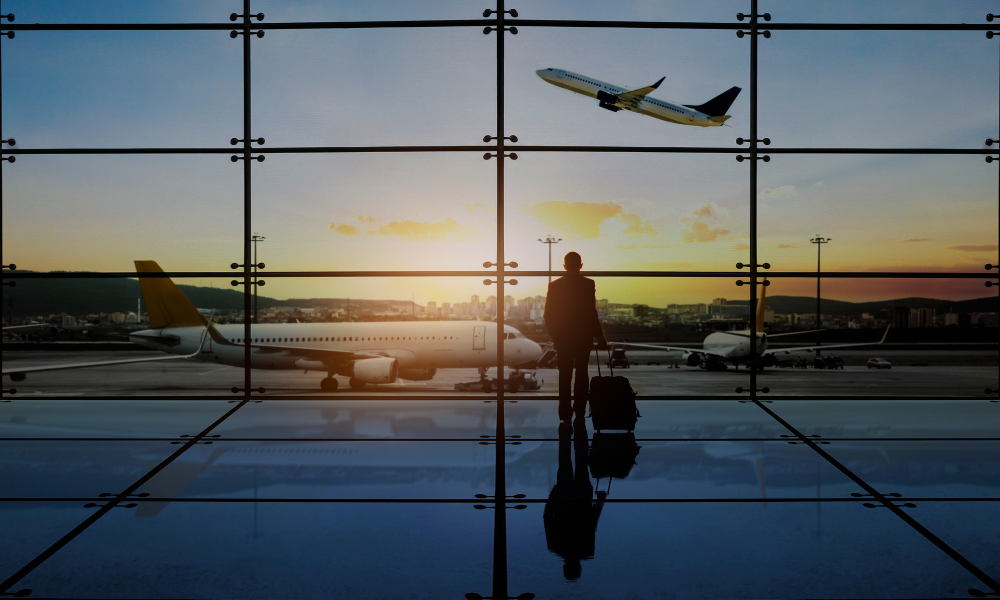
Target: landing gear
328,384
487,386
356,385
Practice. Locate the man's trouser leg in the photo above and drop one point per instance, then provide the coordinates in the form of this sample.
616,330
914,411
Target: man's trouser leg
581,388
565,361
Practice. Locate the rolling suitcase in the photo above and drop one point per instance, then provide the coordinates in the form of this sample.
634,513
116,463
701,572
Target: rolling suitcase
612,401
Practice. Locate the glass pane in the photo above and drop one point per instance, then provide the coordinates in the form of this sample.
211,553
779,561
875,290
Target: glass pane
670,10
888,419
120,11
883,213
102,213
351,212
331,419
786,550
108,338
924,469
877,89
642,212
887,11
540,108
329,88
276,550
382,469
109,89
73,417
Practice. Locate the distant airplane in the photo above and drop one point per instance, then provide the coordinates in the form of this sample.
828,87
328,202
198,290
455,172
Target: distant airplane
614,98
733,347
364,352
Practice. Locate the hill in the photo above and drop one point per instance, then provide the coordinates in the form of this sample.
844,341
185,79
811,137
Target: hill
784,305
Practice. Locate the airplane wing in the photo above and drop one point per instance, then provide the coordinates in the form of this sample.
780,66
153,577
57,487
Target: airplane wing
31,326
830,347
84,365
675,348
639,94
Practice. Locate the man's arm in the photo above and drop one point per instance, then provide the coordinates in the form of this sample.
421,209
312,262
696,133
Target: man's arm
595,322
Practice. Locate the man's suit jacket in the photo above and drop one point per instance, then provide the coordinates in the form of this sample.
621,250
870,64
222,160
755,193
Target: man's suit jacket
571,312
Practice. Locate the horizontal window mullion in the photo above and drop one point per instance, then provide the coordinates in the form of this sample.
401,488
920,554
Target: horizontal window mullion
363,274
509,147
508,21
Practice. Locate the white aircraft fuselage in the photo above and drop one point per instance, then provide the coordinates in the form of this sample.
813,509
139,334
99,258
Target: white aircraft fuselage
412,344
651,107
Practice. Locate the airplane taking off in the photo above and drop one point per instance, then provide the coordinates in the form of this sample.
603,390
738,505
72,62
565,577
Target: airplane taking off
734,347
364,352
614,98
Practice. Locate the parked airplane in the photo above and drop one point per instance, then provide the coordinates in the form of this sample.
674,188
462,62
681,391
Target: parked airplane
615,98
364,352
734,347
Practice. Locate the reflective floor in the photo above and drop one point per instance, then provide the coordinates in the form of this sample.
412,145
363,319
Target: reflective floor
379,498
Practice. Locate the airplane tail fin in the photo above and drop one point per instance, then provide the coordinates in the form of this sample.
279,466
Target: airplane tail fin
716,107
166,303
759,319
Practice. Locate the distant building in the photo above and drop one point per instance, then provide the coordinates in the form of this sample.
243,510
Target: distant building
432,309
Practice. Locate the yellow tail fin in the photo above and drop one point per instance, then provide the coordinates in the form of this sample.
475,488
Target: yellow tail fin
759,321
166,303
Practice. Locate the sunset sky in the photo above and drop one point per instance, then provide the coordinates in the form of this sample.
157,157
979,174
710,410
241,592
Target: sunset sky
438,86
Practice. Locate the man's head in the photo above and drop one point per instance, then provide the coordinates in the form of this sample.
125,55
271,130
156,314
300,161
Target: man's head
572,262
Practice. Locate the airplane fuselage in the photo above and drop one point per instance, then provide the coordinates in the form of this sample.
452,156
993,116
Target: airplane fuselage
414,345
735,346
651,107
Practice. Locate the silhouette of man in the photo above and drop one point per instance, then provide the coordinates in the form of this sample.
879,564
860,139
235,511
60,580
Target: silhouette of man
570,518
571,318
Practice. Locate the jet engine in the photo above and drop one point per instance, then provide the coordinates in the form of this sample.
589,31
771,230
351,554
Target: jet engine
417,374
767,360
607,101
375,370
606,97
691,359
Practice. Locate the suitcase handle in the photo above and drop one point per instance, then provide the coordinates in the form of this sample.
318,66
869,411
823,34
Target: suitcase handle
598,354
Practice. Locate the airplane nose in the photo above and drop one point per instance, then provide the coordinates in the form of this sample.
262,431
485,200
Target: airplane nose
534,351
542,72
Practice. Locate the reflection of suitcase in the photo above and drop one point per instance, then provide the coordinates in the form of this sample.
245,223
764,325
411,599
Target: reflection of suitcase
612,401
612,455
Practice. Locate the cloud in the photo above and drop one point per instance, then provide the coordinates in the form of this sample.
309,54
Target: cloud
914,240
475,207
740,247
584,220
365,219
784,191
423,231
696,226
784,246
344,229
643,246
983,248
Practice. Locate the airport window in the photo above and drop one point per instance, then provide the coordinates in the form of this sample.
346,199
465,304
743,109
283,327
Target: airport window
217,138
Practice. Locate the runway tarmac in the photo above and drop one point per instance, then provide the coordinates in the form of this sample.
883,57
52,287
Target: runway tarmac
193,378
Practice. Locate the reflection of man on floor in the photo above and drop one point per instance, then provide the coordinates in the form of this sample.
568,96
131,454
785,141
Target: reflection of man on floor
571,319
570,517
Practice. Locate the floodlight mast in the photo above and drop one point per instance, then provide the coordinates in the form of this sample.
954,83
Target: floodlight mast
550,240
255,238
819,241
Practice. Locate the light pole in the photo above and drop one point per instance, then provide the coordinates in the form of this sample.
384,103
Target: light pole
256,238
819,241
550,240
